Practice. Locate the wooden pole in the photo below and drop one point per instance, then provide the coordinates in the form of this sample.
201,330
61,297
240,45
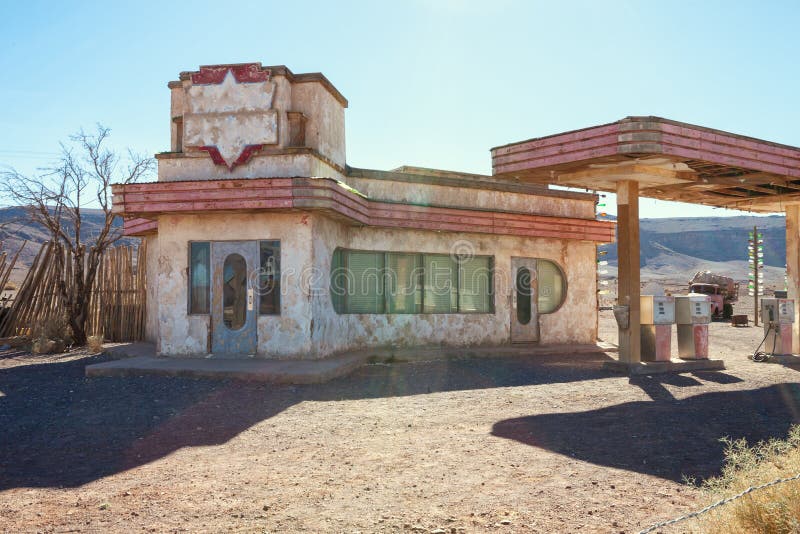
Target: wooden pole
793,268
755,275
628,276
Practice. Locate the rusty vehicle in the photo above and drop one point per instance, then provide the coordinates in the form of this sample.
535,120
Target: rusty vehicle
722,292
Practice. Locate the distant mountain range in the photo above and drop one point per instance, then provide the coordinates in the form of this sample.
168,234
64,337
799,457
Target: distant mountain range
15,229
671,249
676,248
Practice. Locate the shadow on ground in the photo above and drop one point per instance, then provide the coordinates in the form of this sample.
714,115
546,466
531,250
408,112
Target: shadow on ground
62,429
664,437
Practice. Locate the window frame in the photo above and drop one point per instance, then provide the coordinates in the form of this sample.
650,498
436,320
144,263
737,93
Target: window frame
490,285
341,300
210,277
189,273
279,307
564,286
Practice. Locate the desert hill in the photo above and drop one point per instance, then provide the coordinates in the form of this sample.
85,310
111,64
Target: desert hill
676,248
15,230
671,249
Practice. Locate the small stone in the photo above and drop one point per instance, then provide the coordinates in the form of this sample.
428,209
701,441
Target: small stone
505,522
265,507
105,506
439,531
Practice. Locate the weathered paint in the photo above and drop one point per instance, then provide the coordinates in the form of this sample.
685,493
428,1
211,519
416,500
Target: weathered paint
427,194
199,166
244,339
308,327
151,300
213,107
256,100
693,341
663,345
264,191
700,332
278,336
574,322
148,200
524,287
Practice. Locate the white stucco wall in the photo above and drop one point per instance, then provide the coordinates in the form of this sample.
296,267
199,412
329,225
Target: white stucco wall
325,130
308,327
418,193
199,166
184,334
325,119
151,304
574,322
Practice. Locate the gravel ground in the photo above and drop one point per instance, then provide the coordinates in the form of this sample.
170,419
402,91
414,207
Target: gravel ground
540,444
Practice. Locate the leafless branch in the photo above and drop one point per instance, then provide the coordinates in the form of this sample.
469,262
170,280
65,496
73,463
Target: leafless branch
56,197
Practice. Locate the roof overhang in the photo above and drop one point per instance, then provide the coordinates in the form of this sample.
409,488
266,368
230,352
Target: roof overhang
670,160
141,204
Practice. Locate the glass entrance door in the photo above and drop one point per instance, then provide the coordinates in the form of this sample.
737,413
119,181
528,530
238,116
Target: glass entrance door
524,313
233,306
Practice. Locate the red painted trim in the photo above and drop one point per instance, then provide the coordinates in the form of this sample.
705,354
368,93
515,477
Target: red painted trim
647,135
246,154
243,73
139,226
216,157
213,151
153,199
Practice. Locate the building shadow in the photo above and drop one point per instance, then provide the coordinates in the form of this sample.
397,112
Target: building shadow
665,437
62,429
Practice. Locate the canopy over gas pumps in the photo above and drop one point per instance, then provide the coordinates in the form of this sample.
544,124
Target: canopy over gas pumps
666,160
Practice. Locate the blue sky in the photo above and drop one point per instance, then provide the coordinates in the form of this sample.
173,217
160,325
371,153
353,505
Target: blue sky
434,84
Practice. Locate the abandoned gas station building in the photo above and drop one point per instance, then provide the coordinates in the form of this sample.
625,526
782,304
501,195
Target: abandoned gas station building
263,242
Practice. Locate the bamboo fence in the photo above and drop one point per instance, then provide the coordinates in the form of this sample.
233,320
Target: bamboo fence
6,266
116,303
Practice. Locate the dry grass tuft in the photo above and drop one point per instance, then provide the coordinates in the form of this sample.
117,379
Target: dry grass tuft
773,510
51,336
94,344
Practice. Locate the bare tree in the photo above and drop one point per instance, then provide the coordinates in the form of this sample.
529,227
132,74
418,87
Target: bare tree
55,198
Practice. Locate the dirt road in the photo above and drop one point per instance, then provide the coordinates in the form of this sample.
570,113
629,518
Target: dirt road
540,444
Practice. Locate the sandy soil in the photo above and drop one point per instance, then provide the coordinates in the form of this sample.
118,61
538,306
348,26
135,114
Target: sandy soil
544,444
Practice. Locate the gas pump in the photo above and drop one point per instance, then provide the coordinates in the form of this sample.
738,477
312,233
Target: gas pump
657,314
692,314
778,317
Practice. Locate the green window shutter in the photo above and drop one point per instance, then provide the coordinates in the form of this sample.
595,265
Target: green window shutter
475,285
550,282
441,283
365,282
403,288
339,277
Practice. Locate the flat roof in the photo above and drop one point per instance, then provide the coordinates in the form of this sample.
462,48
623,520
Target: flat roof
671,160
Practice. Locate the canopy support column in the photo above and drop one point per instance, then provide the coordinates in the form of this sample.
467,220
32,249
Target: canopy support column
628,286
793,268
